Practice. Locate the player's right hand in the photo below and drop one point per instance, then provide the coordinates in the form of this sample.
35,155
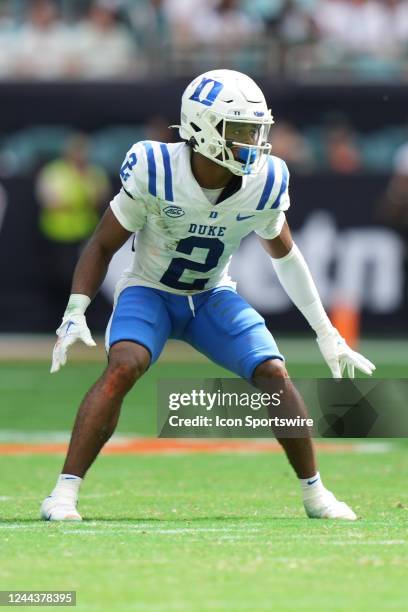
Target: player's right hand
72,328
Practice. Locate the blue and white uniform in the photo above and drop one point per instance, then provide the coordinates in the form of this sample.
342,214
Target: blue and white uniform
178,284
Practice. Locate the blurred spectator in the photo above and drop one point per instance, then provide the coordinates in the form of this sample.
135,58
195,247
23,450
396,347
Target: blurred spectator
290,145
394,206
342,152
70,192
267,10
105,48
107,39
179,14
355,27
149,22
8,46
42,45
215,22
296,24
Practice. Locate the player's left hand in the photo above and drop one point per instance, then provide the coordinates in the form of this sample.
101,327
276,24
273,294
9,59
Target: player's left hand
339,356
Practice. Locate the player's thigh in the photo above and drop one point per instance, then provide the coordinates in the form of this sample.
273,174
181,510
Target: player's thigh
231,333
140,317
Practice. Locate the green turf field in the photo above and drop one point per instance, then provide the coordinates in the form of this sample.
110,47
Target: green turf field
196,532
210,533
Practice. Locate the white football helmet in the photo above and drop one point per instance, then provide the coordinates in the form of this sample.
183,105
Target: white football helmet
210,103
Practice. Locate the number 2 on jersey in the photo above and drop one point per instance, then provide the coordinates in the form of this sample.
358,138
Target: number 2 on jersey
215,249
128,164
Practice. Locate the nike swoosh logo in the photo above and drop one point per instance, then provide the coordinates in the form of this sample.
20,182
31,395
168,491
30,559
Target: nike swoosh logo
310,482
69,325
239,218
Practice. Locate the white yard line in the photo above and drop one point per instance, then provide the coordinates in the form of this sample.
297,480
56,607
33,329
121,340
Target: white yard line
240,532
10,436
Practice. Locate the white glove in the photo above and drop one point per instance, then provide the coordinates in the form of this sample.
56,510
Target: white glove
72,328
338,355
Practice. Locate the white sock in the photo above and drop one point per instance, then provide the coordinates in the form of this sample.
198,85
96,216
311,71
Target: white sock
67,486
311,487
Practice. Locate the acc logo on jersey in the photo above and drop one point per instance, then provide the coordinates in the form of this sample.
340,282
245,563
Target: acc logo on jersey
174,211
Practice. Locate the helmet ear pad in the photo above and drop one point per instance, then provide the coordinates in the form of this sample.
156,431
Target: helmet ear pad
199,140
193,139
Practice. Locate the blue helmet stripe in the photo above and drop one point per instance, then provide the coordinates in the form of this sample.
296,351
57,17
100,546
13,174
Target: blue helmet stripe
285,176
168,180
268,185
151,166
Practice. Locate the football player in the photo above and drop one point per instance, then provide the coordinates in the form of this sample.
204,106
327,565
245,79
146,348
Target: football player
191,203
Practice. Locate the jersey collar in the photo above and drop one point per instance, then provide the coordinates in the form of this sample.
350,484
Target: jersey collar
230,190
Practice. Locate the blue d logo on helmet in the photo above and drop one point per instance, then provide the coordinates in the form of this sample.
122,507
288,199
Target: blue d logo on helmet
219,97
211,95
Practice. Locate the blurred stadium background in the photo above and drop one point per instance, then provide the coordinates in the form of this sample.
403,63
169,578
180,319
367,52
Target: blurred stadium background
81,81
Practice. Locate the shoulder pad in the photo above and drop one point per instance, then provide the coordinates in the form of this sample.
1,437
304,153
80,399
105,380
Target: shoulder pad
147,170
275,191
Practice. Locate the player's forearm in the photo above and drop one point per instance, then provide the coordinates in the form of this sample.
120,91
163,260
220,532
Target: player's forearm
90,270
295,277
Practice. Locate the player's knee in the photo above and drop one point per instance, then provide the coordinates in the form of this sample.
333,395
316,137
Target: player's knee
120,376
124,369
271,368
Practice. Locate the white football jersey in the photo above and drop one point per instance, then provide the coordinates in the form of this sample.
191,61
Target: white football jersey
184,243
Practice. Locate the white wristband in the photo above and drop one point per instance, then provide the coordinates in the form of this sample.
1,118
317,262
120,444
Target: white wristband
77,304
294,276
